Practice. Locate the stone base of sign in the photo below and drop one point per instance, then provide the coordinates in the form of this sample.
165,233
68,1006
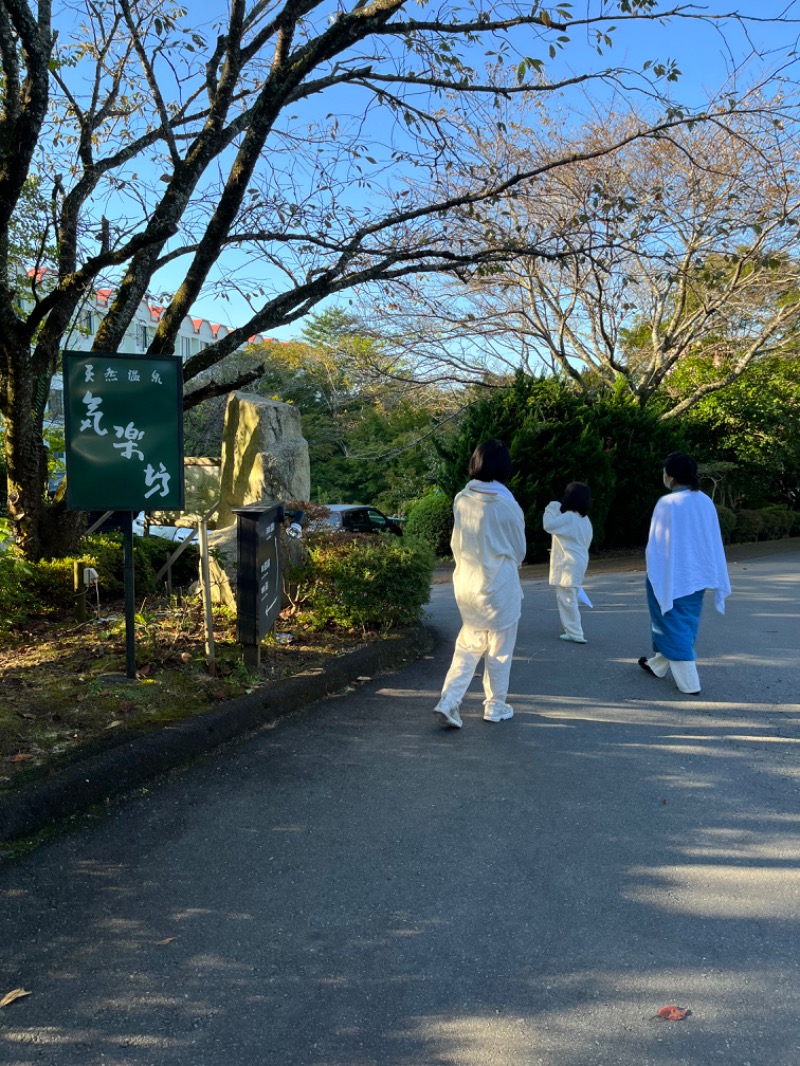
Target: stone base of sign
116,678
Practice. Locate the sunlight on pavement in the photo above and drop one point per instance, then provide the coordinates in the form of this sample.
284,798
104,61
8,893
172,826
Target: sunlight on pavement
720,891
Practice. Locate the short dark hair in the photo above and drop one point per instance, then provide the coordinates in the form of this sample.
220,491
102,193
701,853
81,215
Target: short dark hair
491,461
576,498
683,468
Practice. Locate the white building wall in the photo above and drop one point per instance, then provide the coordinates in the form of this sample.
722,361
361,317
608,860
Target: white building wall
194,335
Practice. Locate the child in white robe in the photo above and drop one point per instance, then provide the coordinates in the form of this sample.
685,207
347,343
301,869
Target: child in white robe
488,546
568,523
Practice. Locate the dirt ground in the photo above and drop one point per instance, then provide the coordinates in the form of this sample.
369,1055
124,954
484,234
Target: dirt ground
63,684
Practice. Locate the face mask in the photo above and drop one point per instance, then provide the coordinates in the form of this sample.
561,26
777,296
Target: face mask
667,481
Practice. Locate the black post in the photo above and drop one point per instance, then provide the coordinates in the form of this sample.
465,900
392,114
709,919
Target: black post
130,596
258,575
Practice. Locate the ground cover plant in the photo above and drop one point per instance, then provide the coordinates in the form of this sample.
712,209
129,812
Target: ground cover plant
62,683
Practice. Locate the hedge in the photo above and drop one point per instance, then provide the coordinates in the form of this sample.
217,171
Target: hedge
777,522
749,526
430,519
727,522
45,588
357,581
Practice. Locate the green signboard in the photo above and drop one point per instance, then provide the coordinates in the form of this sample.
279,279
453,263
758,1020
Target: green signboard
124,432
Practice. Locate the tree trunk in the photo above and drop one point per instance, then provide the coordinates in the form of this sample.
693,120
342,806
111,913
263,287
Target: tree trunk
42,528
61,530
26,463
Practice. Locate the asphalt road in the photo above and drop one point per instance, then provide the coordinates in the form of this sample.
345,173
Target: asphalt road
358,887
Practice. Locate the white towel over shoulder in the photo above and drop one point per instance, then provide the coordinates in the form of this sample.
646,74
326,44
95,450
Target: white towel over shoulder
684,551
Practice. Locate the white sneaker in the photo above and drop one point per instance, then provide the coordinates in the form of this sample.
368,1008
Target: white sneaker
498,714
449,718
574,640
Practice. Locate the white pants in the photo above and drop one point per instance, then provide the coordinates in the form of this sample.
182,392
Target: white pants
471,646
569,611
684,673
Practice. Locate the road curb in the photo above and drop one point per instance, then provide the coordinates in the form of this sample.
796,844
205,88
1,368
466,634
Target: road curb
85,781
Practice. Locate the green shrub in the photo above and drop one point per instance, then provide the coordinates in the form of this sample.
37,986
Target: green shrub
794,529
353,581
50,584
430,519
31,590
749,525
777,522
103,551
151,553
727,522
46,587
16,599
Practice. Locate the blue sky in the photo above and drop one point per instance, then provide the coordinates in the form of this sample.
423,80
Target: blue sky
705,59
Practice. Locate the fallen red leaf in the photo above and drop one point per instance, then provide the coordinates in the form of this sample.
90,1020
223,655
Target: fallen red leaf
21,757
673,1014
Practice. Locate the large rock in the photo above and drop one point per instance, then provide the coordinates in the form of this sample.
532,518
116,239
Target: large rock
264,455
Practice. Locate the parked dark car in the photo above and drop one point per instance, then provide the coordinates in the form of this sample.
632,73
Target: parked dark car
359,518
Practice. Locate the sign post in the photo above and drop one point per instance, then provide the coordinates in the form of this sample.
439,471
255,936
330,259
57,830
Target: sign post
258,580
124,444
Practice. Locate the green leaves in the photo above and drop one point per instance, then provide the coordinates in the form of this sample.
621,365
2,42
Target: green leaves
358,581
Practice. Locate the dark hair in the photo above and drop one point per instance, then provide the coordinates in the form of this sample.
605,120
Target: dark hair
490,461
576,498
683,468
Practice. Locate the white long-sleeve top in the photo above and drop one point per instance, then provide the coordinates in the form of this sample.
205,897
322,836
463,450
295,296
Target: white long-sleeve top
569,552
488,545
684,550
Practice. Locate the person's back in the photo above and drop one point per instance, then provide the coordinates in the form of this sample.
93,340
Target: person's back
685,557
488,546
570,528
684,549
572,537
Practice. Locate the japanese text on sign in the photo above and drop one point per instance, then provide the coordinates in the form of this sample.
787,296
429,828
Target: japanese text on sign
124,431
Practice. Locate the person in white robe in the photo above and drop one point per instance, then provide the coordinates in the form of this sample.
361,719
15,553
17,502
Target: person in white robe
567,522
488,545
685,556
